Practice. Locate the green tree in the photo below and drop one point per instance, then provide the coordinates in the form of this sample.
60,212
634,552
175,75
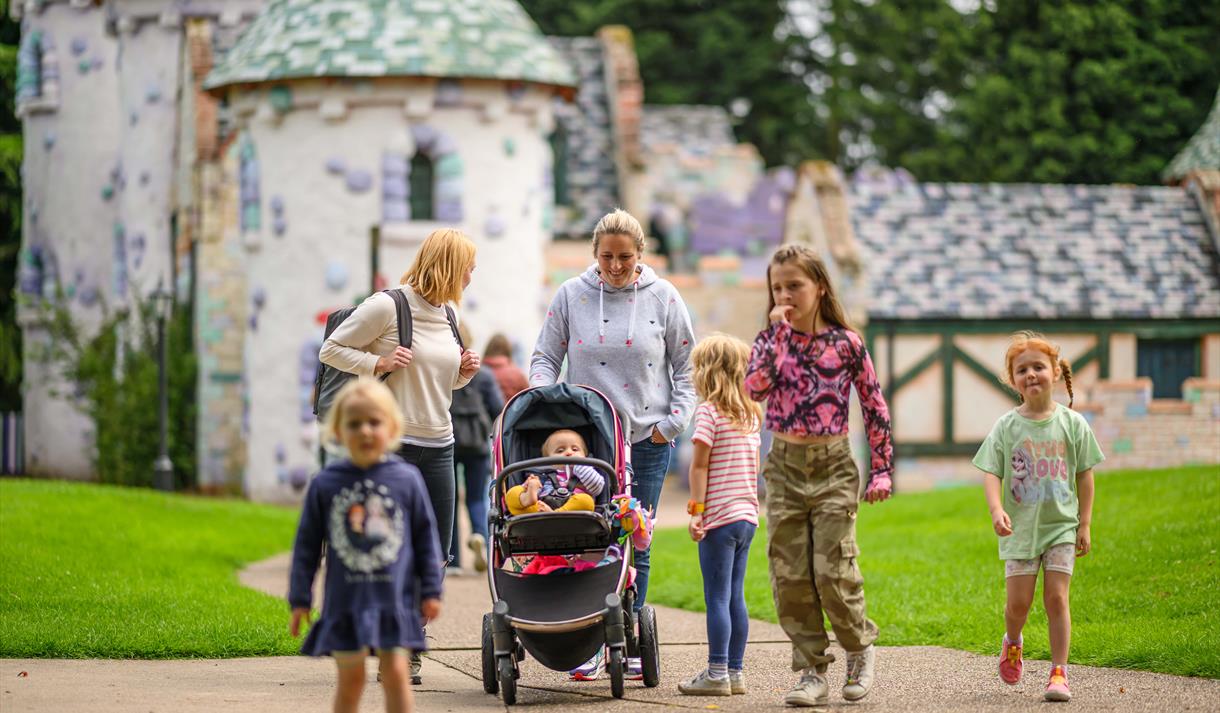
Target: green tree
732,53
10,216
1053,91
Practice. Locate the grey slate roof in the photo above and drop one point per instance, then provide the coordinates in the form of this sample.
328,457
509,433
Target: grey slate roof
697,130
488,39
937,251
1203,149
591,174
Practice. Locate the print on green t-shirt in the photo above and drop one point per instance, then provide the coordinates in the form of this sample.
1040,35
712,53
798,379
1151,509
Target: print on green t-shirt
1038,462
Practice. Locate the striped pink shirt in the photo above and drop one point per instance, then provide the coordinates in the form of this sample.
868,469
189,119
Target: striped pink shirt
732,470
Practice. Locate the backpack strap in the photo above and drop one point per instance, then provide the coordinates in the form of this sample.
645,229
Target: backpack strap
406,329
457,336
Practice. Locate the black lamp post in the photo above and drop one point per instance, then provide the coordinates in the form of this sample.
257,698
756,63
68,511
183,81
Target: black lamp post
163,468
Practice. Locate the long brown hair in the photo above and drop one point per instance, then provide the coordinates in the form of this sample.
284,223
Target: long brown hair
719,365
1032,340
807,260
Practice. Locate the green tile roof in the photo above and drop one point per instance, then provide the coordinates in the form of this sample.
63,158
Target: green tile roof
1203,150
490,39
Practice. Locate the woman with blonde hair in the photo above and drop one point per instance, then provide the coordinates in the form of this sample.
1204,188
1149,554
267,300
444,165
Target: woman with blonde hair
627,333
423,376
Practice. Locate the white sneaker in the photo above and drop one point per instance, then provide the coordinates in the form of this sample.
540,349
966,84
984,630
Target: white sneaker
591,669
859,673
737,682
478,546
810,691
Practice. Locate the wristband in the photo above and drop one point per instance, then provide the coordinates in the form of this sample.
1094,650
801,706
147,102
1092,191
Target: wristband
694,508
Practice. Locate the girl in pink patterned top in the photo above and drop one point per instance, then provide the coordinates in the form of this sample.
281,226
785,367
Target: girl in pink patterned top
804,364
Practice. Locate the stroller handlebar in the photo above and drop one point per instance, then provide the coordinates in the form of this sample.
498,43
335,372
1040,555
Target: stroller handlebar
536,463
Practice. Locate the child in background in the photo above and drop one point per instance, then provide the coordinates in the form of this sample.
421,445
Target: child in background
1042,455
805,364
723,506
568,488
373,513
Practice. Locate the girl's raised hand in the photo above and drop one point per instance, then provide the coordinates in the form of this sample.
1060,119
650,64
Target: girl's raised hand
781,313
1084,541
1001,522
298,613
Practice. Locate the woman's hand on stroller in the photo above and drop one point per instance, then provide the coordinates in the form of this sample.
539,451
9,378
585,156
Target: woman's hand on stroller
695,528
430,609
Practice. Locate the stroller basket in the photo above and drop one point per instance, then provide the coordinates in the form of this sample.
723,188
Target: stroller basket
547,533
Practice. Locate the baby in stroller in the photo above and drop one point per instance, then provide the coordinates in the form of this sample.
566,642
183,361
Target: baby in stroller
567,488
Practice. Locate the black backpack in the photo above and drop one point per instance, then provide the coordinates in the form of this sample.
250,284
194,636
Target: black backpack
329,380
471,422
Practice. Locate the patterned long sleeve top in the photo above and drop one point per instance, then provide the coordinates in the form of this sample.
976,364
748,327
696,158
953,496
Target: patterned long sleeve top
806,380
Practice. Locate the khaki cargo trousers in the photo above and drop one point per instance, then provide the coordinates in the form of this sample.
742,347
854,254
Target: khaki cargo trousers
812,496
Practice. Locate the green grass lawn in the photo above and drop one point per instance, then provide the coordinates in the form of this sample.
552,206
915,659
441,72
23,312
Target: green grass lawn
99,571
1147,597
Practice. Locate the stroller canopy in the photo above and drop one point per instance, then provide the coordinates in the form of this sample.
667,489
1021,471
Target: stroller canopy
534,414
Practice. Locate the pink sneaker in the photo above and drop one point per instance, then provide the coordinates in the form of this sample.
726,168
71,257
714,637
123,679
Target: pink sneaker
1057,689
1010,662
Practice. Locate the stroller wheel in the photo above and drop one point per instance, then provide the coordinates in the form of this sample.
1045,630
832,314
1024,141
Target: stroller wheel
615,668
508,680
490,683
650,649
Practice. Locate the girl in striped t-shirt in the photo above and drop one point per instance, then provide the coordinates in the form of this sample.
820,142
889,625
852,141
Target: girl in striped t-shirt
723,506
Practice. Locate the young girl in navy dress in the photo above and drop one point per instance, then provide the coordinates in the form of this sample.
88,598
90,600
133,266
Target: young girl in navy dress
383,575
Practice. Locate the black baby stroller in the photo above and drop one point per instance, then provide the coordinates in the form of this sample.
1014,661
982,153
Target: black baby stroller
561,619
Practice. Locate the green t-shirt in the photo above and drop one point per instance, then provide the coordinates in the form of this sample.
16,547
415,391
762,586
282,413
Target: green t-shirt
1038,462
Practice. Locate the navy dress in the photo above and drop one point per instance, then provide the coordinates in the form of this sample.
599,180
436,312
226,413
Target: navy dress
383,556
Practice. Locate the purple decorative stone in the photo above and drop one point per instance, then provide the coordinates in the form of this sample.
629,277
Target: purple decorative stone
359,180
298,478
424,136
495,225
87,295
144,178
335,165
280,453
277,205
280,226
258,297
79,45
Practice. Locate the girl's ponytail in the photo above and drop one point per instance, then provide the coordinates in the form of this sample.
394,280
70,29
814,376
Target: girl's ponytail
1067,379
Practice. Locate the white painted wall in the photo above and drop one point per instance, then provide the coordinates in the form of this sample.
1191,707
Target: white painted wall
69,154
327,223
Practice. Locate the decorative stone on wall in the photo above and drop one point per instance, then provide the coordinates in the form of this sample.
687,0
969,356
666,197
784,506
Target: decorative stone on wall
395,187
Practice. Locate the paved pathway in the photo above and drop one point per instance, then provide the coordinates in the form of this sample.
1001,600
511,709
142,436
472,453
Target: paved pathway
910,679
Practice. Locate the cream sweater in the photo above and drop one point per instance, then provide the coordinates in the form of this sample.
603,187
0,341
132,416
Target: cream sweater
425,387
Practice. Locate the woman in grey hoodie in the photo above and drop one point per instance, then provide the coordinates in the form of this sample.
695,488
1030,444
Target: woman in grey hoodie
627,333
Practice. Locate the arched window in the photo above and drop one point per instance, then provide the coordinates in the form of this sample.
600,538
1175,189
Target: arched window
559,167
423,187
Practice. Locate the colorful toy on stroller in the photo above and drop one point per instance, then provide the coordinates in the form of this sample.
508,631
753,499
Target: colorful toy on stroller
563,618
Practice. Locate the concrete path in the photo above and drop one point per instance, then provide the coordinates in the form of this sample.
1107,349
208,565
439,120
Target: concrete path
910,679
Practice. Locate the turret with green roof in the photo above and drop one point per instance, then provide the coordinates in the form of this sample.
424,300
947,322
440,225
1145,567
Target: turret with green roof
479,39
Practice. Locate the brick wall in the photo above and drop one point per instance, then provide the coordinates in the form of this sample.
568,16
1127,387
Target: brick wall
1138,431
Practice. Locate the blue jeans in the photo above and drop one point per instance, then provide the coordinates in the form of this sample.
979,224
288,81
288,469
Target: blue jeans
722,559
475,475
436,465
649,463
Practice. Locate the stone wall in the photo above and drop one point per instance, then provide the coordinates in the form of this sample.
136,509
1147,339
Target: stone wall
1138,431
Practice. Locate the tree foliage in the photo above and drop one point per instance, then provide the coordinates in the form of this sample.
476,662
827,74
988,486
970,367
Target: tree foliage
1052,91
10,219
729,53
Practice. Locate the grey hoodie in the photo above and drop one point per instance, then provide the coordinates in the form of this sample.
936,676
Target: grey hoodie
633,344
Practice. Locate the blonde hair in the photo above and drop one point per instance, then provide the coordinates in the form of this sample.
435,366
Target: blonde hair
372,390
720,362
619,222
584,446
829,308
1032,340
440,266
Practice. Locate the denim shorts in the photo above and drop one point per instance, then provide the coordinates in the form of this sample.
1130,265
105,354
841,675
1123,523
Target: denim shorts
1058,558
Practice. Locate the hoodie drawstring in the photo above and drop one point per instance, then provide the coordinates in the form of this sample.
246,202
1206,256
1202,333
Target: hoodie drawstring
601,317
635,293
